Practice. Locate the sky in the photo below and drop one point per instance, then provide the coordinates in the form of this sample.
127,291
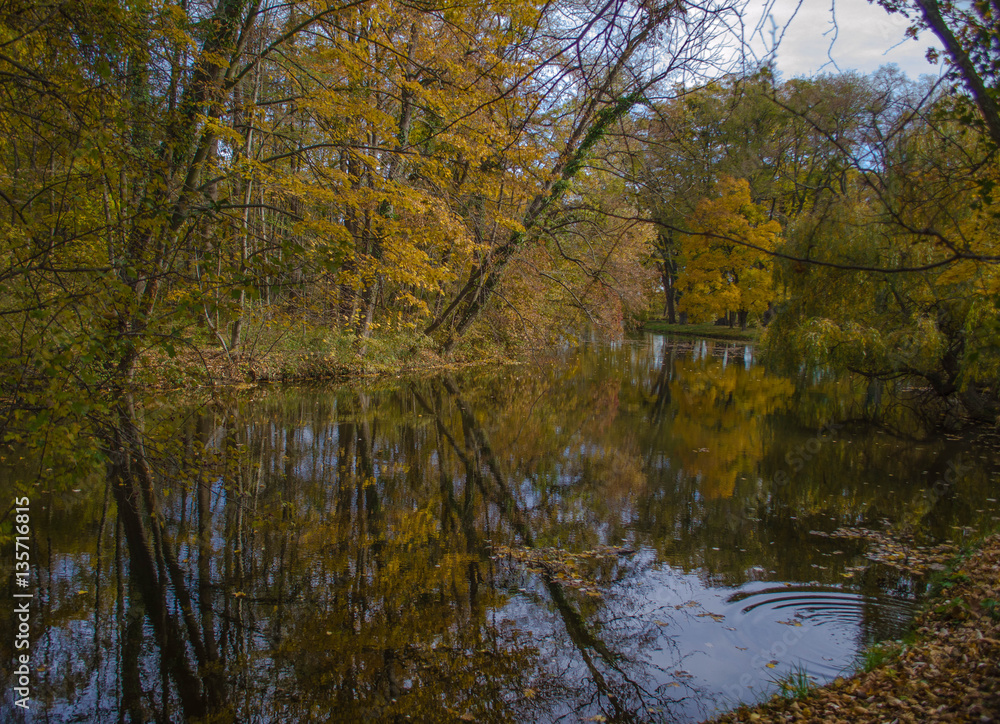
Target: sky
866,37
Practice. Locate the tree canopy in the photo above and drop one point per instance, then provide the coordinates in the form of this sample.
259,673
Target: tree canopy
186,180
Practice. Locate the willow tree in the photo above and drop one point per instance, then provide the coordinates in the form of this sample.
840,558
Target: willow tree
912,232
894,276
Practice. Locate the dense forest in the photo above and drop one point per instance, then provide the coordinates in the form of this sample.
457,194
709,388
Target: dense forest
393,197
226,180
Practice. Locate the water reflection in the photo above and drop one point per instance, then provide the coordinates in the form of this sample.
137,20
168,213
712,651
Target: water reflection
623,533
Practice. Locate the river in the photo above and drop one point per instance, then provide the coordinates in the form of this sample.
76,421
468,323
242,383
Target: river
654,530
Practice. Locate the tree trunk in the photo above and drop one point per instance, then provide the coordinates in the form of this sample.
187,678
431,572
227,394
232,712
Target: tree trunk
484,279
668,275
981,95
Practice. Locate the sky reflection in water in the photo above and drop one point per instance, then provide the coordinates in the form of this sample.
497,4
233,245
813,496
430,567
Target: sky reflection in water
626,532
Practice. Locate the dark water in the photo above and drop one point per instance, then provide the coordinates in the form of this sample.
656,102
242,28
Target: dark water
628,532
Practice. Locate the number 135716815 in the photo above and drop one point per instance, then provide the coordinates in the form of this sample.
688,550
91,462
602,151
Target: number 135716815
22,551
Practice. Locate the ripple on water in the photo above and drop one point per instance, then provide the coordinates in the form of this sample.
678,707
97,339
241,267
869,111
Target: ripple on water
820,628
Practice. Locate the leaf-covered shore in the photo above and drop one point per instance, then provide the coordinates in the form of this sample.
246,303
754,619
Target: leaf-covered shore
950,672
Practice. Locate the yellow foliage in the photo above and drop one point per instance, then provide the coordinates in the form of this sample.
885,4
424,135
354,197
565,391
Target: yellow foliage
727,265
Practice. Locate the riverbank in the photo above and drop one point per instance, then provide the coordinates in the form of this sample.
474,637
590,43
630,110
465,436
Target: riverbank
210,366
314,355
711,331
948,672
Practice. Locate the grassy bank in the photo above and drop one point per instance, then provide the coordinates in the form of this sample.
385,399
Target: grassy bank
711,331
286,350
946,670
312,354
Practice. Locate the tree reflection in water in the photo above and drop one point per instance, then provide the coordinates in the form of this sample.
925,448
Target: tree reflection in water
331,553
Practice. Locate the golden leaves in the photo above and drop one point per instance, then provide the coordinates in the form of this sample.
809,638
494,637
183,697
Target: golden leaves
727,266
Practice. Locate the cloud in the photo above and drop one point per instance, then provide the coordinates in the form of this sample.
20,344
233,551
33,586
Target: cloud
831,35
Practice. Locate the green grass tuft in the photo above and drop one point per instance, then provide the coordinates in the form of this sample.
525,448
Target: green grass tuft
797,684
877,655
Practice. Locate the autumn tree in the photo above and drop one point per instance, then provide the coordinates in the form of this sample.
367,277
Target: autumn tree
585,275
727,257
726,127
176,173
603,61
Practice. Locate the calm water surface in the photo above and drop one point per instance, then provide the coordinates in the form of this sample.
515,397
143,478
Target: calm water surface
627,532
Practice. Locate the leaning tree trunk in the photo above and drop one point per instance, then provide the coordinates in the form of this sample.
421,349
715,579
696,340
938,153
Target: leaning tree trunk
486,277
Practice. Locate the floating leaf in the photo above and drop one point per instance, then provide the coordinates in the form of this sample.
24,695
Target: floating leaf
713,616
